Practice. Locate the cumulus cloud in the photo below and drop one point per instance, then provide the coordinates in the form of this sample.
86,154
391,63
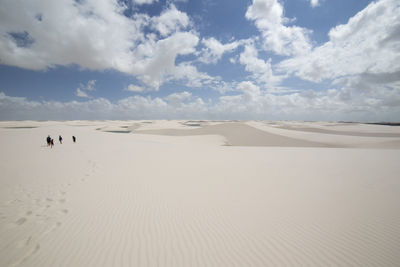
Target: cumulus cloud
90,85
17,108
135,88
270,21
314,3
214,50
178,99
249,101
250,91
193,78
80,93
94,35
171,20
141,2
371,91
82,90
224,87
368,43
159,63
260,69
361,60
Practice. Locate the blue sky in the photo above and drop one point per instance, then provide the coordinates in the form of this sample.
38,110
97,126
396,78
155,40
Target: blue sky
204,59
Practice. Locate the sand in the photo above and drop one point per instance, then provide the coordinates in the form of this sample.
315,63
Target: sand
178,193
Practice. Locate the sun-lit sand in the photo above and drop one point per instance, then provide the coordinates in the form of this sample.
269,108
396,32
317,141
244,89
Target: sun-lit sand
199,193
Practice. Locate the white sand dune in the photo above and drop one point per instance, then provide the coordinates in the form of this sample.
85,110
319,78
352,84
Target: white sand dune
275,197
374,136
238,134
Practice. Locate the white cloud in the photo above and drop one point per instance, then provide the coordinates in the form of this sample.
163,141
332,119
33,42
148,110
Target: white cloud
351,102
371,91
90,86
261,70
270,21
214,50
94,34
368,43
135,88
224,87
193,78
177,105
80,93
171,20
15,108
250,91
314,3
141,2
159,62
178,99
361,59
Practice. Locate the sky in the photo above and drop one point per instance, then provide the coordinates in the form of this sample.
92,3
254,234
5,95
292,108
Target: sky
326,60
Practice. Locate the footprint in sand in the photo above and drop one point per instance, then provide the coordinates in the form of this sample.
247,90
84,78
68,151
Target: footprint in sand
21,221
24,242
65,211
28,241
28,255
13,201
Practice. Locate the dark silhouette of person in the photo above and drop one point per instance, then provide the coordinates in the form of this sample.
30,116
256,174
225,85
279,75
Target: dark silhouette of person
74,139
60,139
52,143
48,139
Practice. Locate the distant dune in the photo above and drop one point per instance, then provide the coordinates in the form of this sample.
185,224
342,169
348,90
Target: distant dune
199,193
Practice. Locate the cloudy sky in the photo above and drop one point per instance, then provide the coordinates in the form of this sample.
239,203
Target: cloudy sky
200,59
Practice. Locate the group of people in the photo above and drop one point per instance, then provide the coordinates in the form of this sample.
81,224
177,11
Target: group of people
50,141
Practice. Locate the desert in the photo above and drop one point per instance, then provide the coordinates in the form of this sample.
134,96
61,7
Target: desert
199,193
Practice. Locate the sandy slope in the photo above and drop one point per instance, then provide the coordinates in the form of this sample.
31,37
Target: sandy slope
120,199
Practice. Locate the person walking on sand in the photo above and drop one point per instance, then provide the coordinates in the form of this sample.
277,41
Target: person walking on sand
74,139
51,142
60,139
48,139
